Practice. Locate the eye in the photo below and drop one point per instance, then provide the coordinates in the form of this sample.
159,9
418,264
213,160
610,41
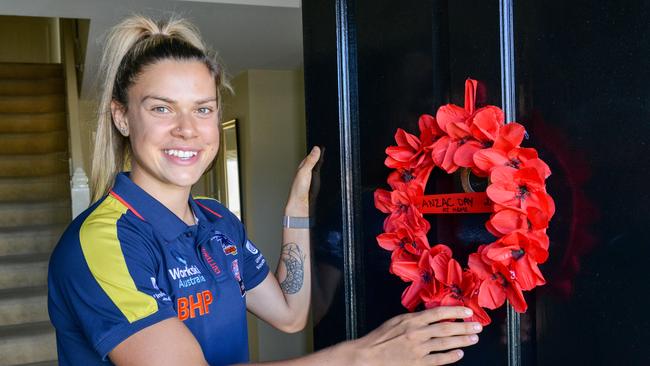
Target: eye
204,110
161,109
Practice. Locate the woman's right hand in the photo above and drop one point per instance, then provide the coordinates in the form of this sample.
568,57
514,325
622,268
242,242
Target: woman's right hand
423,338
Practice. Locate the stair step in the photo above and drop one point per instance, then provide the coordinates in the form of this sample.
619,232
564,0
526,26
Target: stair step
32,103
30,71
35,188
33,165
29,270
33,143
29,239
32,122
13,214
32,86
23,305
27,343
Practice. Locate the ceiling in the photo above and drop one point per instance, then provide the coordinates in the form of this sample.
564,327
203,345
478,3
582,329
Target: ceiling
248,34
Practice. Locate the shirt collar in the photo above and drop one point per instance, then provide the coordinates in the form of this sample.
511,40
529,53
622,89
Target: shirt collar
148,209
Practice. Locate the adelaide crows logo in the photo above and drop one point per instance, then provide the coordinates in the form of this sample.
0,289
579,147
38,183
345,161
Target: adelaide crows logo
227,245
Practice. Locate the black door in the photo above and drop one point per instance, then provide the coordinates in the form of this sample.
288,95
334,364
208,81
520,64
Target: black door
574,75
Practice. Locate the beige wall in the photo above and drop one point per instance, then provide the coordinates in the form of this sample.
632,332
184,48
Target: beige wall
29,40
269,106
87,126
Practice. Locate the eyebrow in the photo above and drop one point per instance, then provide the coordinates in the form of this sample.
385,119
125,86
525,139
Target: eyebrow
171,101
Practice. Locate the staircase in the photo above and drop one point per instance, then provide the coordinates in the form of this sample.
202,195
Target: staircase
34,205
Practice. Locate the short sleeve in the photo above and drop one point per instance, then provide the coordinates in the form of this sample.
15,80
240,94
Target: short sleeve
106,281
255,267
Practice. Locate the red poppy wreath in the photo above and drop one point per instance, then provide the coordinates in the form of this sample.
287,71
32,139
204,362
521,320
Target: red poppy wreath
480,141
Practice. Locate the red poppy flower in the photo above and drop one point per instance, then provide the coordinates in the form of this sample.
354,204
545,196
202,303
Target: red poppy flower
452,114
519,189
484,129
517,158
469,131
521,255
510,136
442,153
407,153
402,179
401,207
487,123
507,220
383,201
429,131
455,122
454,117
479,314
498,283
424,285
404,240
457,288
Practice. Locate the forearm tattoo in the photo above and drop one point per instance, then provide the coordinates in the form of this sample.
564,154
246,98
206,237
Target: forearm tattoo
294,261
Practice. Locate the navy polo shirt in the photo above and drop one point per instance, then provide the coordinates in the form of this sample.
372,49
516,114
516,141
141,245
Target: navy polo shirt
128,262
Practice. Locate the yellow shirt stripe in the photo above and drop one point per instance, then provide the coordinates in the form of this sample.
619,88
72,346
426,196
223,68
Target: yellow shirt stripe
103,253
205,198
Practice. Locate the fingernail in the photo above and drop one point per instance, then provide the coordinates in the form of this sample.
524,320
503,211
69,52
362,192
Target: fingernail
473,338
477,326
468,312
459,353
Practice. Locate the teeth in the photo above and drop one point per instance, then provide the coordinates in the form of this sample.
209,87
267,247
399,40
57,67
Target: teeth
181,154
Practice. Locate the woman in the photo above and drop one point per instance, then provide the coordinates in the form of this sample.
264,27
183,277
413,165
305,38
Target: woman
149,275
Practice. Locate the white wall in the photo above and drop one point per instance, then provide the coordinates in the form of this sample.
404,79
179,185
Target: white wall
269,106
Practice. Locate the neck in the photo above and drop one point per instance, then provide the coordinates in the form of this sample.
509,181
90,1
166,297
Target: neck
173,197
178,205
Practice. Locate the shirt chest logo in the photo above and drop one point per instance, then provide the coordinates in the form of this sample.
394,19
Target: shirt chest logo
186,276
210,261
198,304
227,245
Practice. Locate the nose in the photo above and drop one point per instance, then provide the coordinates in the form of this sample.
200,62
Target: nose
185,127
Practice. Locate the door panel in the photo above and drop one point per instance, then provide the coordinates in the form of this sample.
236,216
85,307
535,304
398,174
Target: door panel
581,92
414,56
582,83
321,107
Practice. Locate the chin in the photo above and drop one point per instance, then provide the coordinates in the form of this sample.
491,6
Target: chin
184,180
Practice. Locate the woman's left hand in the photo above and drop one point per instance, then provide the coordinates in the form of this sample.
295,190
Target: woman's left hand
298,202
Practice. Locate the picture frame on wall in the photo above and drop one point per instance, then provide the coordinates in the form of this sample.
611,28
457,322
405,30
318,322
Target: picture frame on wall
223,180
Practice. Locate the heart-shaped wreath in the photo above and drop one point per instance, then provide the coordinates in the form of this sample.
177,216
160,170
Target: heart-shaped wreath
480,141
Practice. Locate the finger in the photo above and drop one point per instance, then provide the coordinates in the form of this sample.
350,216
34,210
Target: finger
445,358
447,343
445,313
447,329
321,159
311,159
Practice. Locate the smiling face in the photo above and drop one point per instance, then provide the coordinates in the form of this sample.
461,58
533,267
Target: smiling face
172,123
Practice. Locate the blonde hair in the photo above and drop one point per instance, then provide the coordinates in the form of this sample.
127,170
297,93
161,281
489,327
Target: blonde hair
131,45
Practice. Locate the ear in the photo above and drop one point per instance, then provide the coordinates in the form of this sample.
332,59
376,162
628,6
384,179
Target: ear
118,112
